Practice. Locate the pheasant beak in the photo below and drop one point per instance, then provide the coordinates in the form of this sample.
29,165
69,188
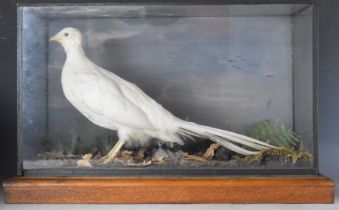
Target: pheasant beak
56,38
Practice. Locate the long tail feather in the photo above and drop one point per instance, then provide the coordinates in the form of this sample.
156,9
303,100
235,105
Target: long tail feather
225,138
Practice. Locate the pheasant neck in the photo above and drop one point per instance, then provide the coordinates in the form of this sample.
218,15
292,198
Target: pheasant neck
75,52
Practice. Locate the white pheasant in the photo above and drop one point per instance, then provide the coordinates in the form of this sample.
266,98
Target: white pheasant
116,104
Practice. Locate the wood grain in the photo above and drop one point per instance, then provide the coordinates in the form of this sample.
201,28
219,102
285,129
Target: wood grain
306,189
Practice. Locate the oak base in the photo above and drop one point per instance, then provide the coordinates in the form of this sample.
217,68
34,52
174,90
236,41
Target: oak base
105,190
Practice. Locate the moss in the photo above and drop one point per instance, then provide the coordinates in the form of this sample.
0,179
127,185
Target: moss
287,153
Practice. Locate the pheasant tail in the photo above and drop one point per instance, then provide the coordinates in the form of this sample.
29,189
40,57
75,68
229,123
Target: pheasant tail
228,139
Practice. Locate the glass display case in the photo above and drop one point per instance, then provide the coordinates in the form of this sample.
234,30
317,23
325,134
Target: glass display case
242,68
164,90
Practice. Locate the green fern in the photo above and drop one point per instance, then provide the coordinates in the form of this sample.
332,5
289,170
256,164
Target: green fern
72,146
275,133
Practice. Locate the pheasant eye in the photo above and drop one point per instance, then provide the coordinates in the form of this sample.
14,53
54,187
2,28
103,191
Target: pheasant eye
66,34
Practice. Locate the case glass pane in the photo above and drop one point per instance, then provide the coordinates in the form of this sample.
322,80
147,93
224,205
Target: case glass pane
242,68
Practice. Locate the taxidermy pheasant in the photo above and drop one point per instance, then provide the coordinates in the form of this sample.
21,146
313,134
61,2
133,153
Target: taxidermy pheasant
116,104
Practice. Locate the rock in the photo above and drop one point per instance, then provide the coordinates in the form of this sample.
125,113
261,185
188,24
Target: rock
223,154
160,156
149,152
94,149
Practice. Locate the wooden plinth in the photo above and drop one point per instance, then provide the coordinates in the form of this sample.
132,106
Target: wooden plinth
169,190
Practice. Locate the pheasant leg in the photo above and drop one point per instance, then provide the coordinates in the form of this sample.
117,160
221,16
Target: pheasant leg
113,152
